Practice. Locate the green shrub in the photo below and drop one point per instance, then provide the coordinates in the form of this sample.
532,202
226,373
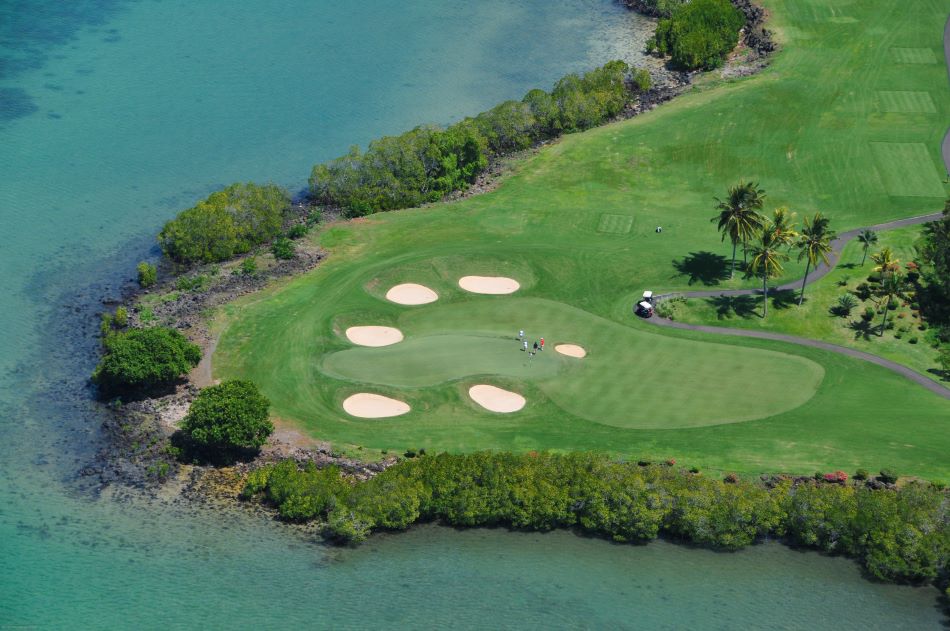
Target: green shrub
913,339
249,266
231,415
296,231
888,476
198,283
283,248
699,34
868,314
861,474
148,274
146,315
227,223
143,359
121,317
844,305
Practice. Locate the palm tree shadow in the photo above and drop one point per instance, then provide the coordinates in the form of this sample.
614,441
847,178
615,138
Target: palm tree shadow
944,375
703,267
785,298
740,306
863,329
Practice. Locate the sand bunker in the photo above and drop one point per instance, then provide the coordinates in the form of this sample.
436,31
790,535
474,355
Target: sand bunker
411,294
571,350
489,284
495,399
373,335
366,405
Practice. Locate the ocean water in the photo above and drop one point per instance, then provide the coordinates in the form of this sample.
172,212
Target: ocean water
116,114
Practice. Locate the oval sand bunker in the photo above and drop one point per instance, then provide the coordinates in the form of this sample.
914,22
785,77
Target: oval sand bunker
411,294
489,284
571,350
373,335
495,399
366,405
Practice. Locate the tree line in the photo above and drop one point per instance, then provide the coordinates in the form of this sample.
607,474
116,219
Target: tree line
898,534
428,162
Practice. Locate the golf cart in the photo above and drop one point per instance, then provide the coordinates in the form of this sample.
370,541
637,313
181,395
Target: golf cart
645,306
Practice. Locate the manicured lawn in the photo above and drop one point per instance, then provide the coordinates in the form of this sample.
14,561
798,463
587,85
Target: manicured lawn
575,226
814,319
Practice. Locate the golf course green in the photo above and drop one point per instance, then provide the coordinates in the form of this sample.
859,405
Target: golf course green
847,120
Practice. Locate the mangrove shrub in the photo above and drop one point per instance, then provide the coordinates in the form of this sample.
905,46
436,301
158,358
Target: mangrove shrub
232,415
144,359
699,34
899,535
229,222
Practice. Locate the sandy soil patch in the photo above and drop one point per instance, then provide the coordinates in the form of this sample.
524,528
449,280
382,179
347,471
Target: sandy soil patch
373,335
411,294
571,350
489,284
366,405
495,399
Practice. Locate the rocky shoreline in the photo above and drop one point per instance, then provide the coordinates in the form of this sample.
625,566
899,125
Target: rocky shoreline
139,454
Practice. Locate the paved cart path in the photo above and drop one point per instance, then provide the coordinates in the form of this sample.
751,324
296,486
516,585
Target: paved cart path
836,246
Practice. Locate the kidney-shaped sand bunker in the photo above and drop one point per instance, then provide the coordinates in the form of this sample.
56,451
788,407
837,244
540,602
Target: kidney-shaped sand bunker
368,405
411,294
496,399
495,285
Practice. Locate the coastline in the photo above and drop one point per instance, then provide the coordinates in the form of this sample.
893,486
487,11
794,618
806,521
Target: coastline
154,420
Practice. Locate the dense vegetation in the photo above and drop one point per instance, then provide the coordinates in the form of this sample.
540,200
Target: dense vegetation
232,415
934,258
899,535
699,34
229,222
144,359
426,163
663,8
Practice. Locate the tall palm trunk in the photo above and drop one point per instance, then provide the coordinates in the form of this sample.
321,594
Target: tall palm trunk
733,272
765,296
887,305
801,297
864,258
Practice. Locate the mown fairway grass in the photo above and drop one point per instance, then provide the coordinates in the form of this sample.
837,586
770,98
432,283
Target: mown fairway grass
575,227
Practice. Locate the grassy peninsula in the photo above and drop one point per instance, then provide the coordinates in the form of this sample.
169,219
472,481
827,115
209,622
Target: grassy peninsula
845,121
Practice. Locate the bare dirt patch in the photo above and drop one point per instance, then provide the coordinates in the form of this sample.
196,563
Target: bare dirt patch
411,294
374,336
571,350
495,399
495,285
367,405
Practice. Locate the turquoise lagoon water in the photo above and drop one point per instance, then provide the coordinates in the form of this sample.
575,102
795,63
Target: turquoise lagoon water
113,116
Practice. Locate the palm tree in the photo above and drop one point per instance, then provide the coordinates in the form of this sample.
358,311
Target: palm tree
783,225
738,217
892,286
866,238
767,259
885,260
814,243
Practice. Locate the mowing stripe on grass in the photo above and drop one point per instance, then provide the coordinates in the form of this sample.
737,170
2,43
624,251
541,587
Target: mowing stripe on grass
906,169
906,101
615,224
913,56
